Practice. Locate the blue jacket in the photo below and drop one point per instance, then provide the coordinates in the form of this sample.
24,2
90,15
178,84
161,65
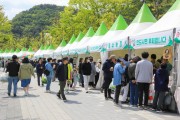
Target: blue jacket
118,71
49,67
161,80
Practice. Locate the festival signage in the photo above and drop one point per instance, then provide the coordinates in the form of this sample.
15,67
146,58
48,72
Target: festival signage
152,40
177,36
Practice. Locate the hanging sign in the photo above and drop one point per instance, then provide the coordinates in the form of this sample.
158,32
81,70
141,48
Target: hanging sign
167,53
177,36
152,40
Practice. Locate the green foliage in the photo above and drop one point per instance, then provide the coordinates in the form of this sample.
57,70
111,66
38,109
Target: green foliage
33,21
82,14
6,37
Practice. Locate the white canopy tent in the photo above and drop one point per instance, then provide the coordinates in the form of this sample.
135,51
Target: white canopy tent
142,21
58,51
102,30
65,50
117,28
80,48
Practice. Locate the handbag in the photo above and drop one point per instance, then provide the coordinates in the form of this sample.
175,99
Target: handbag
46,72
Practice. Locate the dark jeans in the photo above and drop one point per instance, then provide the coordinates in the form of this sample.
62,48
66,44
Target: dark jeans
82,80
61,91
133,93
158,100
143,88
54,76
39,76
117,93
96,78
107,91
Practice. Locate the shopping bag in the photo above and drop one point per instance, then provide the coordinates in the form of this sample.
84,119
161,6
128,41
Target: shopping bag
112,87
44,80
151,93
4,77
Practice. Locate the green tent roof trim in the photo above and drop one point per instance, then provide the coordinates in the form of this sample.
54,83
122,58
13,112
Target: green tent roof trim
79,37
46,47
90,32
23,49
120,24
11,51
177,40
17,50
73,38
51,47
102,30
170,42
42,47
128,47
30,49
63,43
144,15
6,51
175,6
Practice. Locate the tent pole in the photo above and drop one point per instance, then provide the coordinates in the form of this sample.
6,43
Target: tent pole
175,66
129,49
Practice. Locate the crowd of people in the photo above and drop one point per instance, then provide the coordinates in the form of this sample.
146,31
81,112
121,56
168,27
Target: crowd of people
131,77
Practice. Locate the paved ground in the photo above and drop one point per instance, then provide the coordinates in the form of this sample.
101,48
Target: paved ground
80,106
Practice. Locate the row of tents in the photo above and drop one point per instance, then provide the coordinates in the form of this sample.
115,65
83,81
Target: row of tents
144,32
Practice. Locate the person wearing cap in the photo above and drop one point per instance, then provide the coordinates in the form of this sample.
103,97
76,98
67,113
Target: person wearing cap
13,69
143,76
161,86
119,69
108,68
49,77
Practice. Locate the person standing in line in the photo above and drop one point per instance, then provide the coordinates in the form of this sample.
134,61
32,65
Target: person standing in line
80,72
169,65
98,70
119,69
25,72
144,75
13,69
49,77
161,87
55,65
39,70
93,73
108,68
86,70
126,80
133,83
62,74
155,63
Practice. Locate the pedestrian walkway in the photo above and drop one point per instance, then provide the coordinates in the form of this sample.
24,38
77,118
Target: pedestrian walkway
80,106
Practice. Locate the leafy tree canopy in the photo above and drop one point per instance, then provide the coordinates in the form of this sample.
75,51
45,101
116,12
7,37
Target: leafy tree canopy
33,21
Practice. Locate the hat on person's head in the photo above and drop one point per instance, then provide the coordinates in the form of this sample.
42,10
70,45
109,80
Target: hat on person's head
14,57
118,60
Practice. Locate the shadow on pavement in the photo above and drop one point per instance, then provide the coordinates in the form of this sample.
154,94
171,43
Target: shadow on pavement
72,102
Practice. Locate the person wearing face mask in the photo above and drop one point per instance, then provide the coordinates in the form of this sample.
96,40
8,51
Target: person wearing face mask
86,70
108,68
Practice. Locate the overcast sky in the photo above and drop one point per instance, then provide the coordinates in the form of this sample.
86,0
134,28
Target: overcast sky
13,7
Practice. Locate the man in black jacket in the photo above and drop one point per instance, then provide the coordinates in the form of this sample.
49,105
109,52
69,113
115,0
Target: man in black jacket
62,74
13,69
108,68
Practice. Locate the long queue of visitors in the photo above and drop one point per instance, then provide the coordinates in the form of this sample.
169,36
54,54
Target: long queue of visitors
133,77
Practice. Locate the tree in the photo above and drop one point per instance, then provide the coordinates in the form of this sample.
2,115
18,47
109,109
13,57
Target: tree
35,20
6,37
